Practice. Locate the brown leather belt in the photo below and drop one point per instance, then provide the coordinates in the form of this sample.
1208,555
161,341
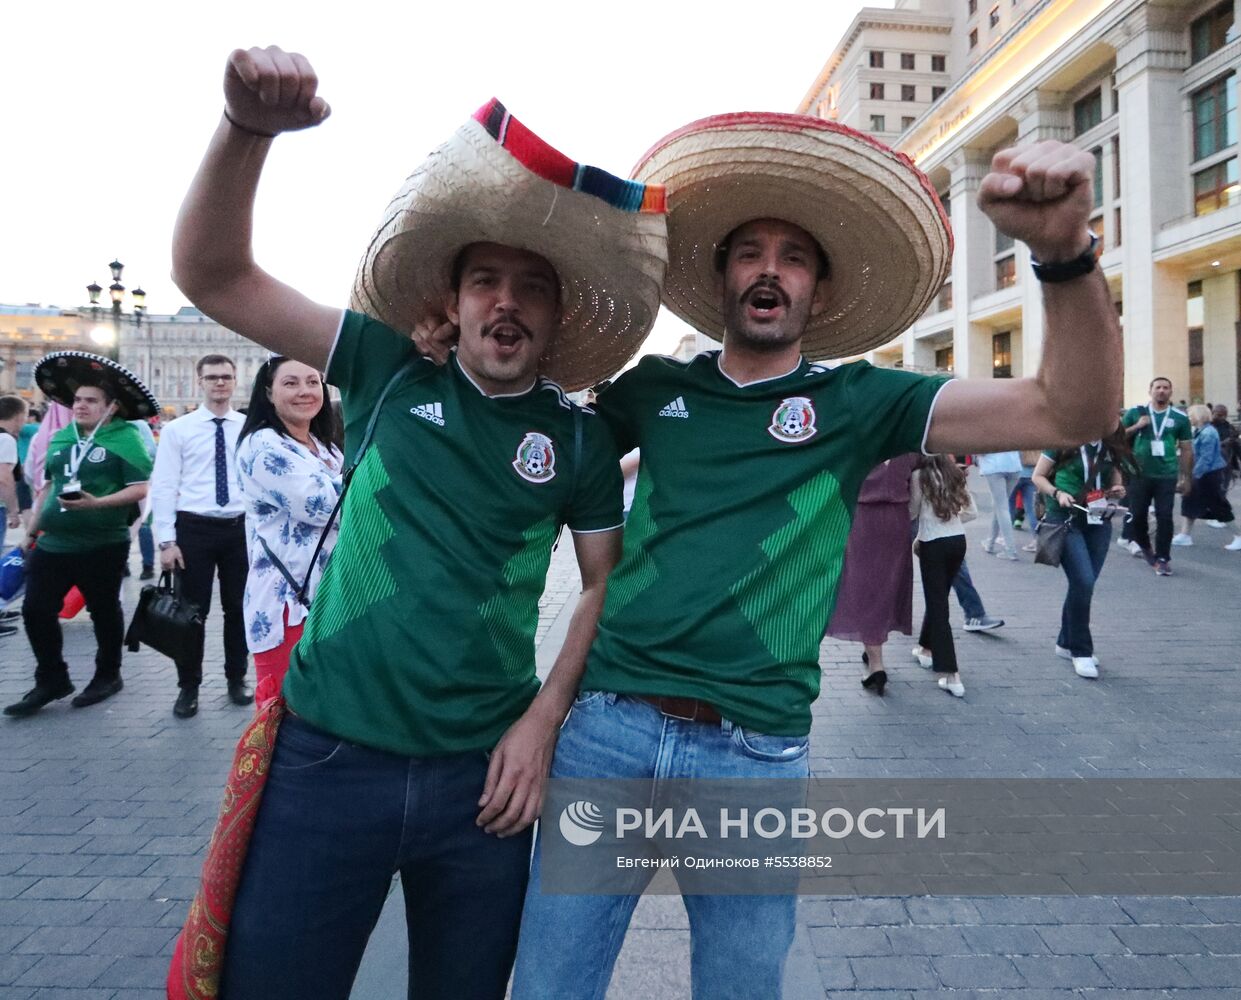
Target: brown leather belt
686,709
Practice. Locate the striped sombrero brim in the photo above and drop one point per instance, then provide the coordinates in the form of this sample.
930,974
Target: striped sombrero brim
61,374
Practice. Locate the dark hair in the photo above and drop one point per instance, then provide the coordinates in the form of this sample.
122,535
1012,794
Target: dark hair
101,383
11,406
457,270
719,258
1116,448
213,359
261,411
1160,378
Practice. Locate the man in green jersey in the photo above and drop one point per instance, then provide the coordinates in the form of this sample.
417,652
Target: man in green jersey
1157,430
418,738
790,239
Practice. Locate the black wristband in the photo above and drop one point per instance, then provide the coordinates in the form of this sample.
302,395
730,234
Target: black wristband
244,128
1067,270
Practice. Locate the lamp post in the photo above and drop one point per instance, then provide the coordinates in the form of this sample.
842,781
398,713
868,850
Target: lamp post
110,340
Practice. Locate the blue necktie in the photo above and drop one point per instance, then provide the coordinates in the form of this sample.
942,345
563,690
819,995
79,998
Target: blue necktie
221,464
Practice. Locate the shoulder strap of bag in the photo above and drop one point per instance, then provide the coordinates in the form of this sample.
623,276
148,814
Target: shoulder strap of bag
302,593
577,461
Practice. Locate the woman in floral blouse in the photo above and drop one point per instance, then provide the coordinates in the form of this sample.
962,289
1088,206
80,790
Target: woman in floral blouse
290,473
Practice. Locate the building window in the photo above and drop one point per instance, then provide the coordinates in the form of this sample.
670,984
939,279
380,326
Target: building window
943,301
906,122
907,60
25,374
1215,187
1117,228
974,38
938,64
1006,273
1211,32
1003,242
877,124
876,91
973,7
937,93
1097,153
908,92
1095,225
1088,112
1215,116
943,359
876,60
1116,168
993,17
1002,355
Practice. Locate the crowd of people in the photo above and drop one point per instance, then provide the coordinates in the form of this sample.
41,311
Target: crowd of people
409,732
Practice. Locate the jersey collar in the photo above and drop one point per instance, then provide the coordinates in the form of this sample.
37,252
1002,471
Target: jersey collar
719,357
479,389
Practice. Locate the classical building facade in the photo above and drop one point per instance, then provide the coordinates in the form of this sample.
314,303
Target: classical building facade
162,350
1148,86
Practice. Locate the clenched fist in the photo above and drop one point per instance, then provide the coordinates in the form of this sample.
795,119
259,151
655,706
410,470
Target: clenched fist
268,91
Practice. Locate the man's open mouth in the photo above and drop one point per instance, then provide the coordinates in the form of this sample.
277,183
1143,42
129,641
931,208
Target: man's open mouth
765,301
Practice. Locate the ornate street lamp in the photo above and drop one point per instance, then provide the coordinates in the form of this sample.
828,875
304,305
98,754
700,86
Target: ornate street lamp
110,340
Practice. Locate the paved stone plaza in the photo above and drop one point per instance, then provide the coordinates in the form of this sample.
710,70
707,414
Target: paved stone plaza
105,811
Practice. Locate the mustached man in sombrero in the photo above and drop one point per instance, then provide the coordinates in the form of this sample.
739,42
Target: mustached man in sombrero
418,738
791,240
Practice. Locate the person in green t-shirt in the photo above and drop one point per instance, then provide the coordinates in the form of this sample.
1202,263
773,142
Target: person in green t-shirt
790,239
1162,442
97,471
418,736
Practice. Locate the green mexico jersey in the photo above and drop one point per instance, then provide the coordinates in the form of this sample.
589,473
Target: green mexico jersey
420,640
115,459
1173,426
735,541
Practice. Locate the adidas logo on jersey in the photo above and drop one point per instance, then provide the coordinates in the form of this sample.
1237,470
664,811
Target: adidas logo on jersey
676,408
433,412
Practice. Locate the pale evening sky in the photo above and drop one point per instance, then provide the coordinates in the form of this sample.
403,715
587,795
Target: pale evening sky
108,109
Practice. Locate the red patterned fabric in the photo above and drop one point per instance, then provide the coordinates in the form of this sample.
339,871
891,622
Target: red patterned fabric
199,955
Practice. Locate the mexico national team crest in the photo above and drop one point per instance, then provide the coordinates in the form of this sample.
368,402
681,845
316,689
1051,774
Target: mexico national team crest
536,458
793,420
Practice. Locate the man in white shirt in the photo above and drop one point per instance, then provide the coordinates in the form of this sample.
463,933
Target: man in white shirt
12,416
200,522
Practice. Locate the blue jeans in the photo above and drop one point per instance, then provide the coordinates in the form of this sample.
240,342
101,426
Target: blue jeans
738,943
146,544
1085,549
967,593
1025,489
336,822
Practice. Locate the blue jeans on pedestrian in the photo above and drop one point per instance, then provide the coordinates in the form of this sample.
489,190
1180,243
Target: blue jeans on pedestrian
146,544
336,822
1085,549
967,593
1025,489
738,943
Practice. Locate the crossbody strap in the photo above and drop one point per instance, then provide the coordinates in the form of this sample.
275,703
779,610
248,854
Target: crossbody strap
577,462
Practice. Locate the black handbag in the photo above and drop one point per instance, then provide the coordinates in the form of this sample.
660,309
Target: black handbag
1051,536
164,620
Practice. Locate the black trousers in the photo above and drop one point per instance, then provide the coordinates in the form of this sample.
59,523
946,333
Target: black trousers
1162,491
940,561
211,547
97,573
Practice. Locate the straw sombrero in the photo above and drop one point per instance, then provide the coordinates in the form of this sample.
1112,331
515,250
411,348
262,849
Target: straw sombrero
495,181
61,374
873,212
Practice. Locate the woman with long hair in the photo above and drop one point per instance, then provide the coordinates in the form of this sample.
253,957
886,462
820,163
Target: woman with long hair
940,502
1075,480
1208,497
290,473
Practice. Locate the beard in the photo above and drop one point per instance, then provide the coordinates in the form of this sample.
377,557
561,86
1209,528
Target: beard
769,335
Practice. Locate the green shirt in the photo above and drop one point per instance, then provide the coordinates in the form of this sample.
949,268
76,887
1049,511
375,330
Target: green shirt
735,541
1069,474
420,640
115,459
1174,427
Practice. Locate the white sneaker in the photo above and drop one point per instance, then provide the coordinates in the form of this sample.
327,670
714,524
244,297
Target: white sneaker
954,688
1135,549
922,658
1234,545
1124,543
1182,540
988,546
1085,666
1066,654
1004,552
1217,524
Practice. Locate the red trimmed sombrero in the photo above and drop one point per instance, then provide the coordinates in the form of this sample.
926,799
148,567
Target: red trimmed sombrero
495,181
873,212
61,374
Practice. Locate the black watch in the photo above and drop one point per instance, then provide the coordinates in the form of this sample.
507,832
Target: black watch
1067,270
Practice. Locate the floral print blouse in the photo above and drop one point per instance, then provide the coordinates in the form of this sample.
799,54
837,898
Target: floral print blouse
289,495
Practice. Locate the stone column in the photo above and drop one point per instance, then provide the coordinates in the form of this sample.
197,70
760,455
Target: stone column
1219,339
971,262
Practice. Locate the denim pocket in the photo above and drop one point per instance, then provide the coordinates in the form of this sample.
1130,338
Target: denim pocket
761,746
589,699
300,747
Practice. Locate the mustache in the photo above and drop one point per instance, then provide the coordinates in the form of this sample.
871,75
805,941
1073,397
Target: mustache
510,321
772,287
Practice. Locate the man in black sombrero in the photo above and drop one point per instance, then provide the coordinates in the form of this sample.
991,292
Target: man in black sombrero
96,473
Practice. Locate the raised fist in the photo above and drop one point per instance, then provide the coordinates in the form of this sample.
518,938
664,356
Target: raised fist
268,91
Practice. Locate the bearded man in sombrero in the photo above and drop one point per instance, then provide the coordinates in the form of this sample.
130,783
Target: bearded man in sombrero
418,737
792,240
96,472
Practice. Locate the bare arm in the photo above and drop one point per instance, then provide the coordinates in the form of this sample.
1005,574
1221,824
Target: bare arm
1041,195
8,493
266,90
134,493
517,776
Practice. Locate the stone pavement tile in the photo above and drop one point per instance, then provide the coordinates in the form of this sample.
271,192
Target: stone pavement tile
54,993
868,912
60,941
130,913
976,972
1060,971
133,972
835,973
652,963
869,995
115,864
941,910
11,863
65,970
113,844
173,845
47,912
179,887
1000,994
142,942
897,972
843,942
16,993
1220,939
659,913
1163,940
61,887
187,865
926,940
1086,910
1145,971
119,887
12,936
1219,909
41,844
1081,939
13,967
12,886
54,864
1163,910
1004,940
1214,970
1013,910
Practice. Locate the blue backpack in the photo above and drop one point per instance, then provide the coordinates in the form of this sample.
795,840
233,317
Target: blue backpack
12,576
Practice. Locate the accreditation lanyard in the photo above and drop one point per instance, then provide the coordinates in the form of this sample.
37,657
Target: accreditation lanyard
1158,429
82,448
1098,477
